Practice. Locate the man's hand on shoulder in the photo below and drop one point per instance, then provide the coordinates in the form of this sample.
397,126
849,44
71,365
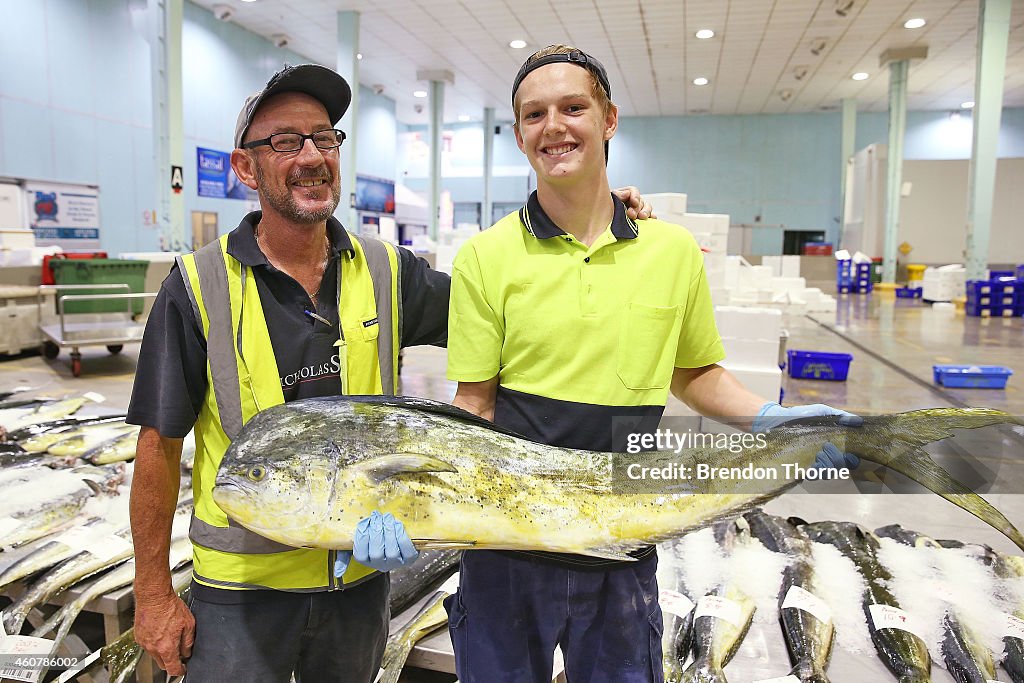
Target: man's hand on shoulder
636,206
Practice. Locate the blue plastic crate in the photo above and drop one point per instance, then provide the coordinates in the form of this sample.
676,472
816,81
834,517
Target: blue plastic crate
1019,272
818,365
989,310
909,292
972,376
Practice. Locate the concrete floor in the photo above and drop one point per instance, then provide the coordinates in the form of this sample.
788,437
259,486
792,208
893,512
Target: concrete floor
894,343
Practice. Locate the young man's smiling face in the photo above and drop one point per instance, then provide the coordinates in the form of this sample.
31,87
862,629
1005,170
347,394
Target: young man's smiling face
562,126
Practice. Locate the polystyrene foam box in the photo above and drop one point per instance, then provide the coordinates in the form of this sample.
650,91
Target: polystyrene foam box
715,223
665,203
765,382
790,266
742,322
751,353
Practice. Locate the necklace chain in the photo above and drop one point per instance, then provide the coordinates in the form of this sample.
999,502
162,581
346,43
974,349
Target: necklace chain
323,266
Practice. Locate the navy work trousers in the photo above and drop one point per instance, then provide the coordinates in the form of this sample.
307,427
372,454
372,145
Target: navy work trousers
327,635
511,610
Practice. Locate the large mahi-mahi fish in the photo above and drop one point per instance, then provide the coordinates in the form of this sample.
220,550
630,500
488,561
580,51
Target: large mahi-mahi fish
304,473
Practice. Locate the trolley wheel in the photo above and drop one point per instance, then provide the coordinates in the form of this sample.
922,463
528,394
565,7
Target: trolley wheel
49,350
76,364
115,348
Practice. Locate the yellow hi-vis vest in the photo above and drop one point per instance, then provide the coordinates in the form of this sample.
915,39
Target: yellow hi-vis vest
243,379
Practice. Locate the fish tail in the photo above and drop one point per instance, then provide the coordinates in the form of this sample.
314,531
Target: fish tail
13,620
895,441
395,654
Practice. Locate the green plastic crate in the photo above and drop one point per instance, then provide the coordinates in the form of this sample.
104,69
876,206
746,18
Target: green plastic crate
101,271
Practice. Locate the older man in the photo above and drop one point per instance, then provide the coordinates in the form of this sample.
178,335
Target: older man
289,305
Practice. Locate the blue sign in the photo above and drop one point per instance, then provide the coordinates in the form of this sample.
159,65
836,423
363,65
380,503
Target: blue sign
375,194
215,177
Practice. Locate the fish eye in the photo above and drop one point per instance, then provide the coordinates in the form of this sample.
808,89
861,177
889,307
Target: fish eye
256,473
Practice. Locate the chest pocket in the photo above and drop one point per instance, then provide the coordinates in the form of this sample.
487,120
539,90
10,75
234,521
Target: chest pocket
648,339
359,355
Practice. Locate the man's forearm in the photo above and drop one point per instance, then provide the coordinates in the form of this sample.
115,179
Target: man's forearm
153,499
713,391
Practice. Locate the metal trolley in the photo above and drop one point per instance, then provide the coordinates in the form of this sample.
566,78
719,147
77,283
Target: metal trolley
76,330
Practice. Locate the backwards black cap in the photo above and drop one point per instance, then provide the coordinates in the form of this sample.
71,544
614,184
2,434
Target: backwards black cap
577,57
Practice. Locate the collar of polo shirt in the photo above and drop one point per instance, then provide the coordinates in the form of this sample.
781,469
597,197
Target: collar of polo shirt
242,243
540,225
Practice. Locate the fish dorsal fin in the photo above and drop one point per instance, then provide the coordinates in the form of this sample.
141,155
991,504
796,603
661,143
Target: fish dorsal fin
396,464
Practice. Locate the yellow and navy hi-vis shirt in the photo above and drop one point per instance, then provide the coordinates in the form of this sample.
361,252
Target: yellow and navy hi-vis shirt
579,336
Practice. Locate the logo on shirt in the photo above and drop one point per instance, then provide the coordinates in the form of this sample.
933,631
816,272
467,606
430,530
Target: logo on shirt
312,372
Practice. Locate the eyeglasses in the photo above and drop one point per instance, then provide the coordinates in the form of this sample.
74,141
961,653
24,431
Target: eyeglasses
330,138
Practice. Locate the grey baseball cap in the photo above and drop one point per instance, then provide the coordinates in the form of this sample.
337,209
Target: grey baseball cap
328,87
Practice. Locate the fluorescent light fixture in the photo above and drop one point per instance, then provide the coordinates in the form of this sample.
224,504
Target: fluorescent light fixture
914,23
860,76
967,105
700,80
463,118
419,93
359,55
705,33
248,0
517,44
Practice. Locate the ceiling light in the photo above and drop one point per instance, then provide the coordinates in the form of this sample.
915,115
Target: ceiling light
914,23
700,80
967,105
248,0
705,33
419,93
463,118
359,55
517,44
860,76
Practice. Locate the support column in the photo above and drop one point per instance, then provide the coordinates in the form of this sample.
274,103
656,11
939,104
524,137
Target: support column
993,32
485,206
347,64
894,164
168,128
847,145
437,80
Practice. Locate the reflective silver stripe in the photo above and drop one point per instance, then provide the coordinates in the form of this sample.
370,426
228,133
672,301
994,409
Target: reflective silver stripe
188,288
234,584
220,350
233,539
379,265
398,307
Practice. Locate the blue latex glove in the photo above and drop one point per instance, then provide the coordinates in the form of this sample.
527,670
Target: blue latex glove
772,415
380,542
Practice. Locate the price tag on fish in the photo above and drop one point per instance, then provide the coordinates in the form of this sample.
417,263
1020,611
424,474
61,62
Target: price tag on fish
887,616
451,585
24,658
675,603
1014,627
721,608
804,600
94,397
7,525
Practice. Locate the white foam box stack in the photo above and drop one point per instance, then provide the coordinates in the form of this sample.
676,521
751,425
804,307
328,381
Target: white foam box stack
19,312
668,206
751,340
782,266
944,283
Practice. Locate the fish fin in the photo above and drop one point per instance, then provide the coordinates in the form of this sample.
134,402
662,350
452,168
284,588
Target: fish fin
611,554
895,441
396,464
919,466
796,521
